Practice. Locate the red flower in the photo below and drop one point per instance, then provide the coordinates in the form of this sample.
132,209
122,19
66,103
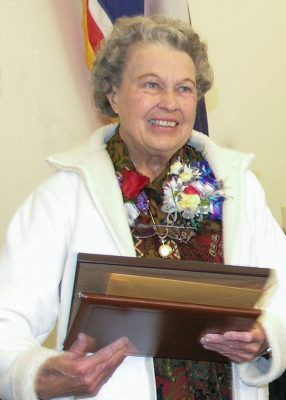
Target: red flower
132,183
191,190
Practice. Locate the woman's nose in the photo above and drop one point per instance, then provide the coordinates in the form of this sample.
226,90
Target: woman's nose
168,100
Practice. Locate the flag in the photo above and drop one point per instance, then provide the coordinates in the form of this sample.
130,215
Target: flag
99,16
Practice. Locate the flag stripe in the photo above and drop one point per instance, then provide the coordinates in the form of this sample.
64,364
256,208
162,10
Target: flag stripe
100,17
95,35
89,52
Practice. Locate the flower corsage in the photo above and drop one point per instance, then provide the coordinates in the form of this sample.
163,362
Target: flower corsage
192,194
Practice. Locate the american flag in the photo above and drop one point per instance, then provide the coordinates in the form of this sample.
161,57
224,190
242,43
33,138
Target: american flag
99,16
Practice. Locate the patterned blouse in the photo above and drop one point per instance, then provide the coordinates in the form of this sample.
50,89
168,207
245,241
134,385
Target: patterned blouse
179,379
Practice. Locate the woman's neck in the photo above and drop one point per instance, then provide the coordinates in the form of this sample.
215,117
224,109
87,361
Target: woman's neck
147,161
150,166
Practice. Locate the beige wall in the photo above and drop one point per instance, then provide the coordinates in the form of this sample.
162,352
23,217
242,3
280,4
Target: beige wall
45,98
246,107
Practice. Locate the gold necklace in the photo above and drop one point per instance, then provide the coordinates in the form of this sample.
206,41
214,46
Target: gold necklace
165,250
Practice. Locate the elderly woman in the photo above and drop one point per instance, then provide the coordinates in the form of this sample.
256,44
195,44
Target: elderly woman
151,168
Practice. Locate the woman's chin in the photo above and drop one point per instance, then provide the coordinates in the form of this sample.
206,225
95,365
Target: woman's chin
164,146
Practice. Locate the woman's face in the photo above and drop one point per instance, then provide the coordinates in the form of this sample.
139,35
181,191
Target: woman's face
156,101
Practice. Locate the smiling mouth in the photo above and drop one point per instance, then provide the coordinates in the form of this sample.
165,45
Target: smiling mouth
161,122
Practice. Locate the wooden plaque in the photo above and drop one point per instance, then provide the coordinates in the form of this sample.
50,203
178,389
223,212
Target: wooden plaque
163,306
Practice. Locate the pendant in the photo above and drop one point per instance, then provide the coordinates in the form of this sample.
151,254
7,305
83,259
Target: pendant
165,250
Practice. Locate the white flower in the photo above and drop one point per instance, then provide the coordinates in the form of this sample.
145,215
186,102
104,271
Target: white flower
176,185
189,214
186,175
169,203
132,213
196,173
176,167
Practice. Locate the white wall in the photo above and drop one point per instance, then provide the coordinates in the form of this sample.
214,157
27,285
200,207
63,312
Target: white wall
45,97
45,100
246,107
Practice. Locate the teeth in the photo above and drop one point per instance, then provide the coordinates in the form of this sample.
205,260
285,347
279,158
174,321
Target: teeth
160,122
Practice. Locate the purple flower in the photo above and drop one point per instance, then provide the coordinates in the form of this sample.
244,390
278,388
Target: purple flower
217,209
142,202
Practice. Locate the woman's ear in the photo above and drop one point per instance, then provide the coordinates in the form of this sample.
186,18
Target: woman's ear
112,98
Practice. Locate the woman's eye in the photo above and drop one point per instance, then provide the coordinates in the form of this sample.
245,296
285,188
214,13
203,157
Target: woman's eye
152,85
185,89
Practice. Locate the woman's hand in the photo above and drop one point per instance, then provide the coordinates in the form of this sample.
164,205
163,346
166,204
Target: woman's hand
238,346
74,373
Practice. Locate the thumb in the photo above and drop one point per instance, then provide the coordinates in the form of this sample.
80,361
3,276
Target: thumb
79,347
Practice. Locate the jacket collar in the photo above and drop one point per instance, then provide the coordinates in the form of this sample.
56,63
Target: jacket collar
93,163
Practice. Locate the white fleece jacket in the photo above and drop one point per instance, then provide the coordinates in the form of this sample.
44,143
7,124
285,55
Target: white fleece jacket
80,209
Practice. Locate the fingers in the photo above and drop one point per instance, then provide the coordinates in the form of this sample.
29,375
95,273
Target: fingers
118,346
74,373
114,351
83,344
256,334
106,359
96,369
234,350
80,345
237,346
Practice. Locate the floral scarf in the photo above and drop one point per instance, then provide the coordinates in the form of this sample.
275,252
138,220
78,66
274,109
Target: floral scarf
178,379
